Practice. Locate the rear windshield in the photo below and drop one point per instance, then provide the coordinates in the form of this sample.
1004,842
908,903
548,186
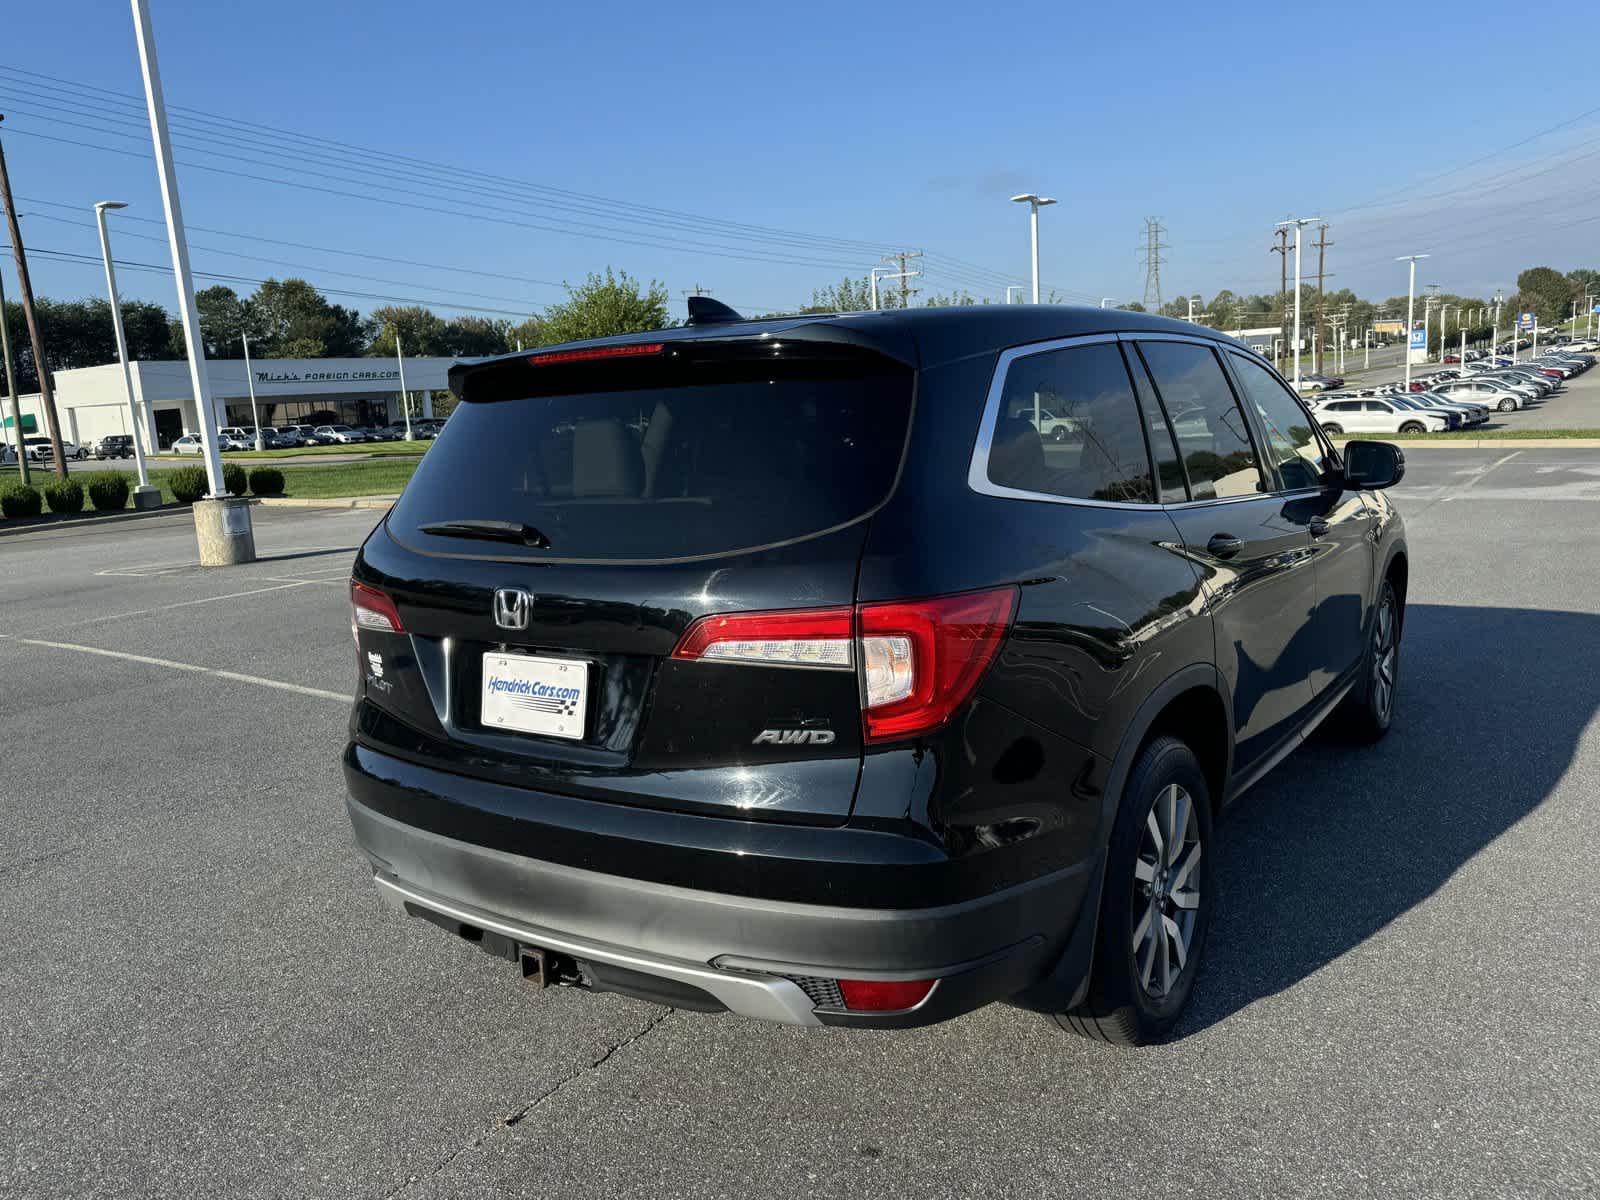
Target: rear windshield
650,474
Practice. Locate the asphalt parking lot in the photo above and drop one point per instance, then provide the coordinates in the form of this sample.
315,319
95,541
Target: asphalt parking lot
200,994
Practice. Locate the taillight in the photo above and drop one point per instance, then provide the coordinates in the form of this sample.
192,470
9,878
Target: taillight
806,637
924,658
880,995
920,659
373,609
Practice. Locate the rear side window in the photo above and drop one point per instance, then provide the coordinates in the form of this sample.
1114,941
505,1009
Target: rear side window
652,474
1290,439
1212,435
1090,447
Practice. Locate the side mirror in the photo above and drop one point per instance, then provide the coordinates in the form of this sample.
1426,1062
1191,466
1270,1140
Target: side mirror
1373,465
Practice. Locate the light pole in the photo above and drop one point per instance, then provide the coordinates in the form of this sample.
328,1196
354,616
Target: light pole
1034,203
1112,300
250,382
1411,308
144,496
1015,287
405,401
876,273
1189,300
222,522
1444,330
1299,223
1494,330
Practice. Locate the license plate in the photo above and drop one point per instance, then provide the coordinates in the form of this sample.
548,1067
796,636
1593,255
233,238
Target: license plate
549,696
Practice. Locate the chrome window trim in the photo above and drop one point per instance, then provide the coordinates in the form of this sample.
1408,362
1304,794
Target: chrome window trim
978,468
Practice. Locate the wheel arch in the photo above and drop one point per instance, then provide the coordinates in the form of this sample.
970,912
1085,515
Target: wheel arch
1191,695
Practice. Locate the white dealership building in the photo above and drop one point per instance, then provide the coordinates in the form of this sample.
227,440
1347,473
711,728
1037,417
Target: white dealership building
92,402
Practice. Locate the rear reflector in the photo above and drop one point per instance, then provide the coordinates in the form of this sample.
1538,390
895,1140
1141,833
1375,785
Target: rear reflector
598,352
878,995
807,637
374,609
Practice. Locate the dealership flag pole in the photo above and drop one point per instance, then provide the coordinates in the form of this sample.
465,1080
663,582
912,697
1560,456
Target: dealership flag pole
405,401
250,382
222,525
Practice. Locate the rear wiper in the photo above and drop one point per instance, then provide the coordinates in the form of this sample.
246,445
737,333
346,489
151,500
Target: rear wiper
491,531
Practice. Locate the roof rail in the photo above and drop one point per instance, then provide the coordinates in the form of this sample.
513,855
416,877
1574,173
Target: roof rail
703,310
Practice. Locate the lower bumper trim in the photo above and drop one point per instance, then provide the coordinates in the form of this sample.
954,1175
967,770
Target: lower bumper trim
764,997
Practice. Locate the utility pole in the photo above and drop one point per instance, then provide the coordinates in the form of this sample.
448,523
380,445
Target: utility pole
1299,224
1411,307
1153,246
47,398
1322,249
11,386
1282,251
907,291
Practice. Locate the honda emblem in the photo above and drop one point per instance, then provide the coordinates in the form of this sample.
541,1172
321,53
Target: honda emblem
511,608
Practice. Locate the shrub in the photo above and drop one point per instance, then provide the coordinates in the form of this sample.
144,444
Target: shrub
19,500
64,495
108,491
233,479
266,481
188,484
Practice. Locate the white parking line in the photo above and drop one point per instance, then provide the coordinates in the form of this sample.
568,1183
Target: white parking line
170,665
279,586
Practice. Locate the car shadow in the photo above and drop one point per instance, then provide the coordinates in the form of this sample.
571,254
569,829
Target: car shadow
1340,840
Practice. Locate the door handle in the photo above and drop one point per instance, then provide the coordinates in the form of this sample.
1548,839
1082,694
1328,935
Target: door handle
1224,545
1318,527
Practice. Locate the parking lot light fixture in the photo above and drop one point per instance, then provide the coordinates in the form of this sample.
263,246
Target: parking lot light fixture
1411,309
1105,300
1034,203
1299,223
144,496
1017,287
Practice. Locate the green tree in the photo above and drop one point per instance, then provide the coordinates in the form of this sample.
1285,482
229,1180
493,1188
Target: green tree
421,332
78,333
223,317
603,305
852,295
1547,292
296,321
528,333
474,337
959,298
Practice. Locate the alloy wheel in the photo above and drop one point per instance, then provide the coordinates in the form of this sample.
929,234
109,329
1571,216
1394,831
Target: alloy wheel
1385,658
1166,891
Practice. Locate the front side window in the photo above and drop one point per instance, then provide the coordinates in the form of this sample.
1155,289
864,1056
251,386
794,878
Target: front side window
1289,428
1211,430
1099,453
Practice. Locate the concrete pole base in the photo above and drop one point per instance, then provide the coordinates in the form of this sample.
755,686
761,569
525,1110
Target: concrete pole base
224,531
146,496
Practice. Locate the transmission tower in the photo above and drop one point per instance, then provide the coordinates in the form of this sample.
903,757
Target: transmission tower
1153,246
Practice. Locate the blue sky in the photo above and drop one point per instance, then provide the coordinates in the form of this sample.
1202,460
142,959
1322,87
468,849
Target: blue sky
654,137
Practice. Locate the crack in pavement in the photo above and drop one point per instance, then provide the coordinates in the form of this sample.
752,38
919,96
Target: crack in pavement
522,1113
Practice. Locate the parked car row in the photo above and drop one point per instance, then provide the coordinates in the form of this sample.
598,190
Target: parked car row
1449,399
289,437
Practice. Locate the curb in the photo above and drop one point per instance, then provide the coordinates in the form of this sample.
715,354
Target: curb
330,502
42,523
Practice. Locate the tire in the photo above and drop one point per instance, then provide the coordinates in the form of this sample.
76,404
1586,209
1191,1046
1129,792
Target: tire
1134,997
1332,429
1507,404
1368,710
1058,434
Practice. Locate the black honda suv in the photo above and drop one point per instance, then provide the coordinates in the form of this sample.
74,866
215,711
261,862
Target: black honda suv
782,666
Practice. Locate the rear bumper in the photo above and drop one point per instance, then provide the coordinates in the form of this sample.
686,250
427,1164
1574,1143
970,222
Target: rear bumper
743,953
